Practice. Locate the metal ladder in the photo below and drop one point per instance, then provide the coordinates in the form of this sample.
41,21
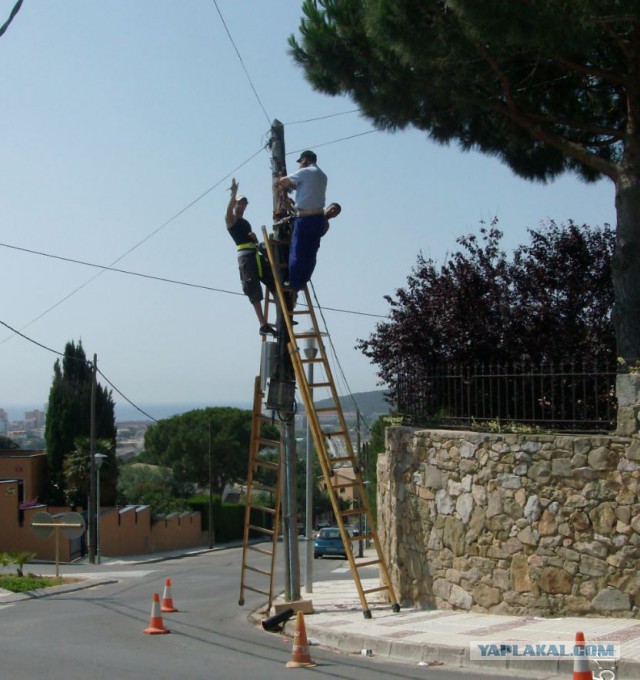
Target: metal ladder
253,575
324,439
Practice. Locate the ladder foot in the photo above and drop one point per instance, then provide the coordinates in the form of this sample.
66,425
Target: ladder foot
366,613
395,607
241,602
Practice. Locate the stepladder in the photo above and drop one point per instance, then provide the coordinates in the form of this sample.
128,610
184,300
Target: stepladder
262,509
339,464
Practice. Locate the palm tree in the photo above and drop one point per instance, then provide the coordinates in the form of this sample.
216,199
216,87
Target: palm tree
77,467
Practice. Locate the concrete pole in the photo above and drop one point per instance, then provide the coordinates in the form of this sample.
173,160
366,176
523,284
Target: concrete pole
310,352
91,510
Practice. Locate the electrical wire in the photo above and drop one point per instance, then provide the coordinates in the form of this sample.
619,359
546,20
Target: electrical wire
162,278
124,396
335,355
224,23
61,354
137,245
12,16
335,141
331,115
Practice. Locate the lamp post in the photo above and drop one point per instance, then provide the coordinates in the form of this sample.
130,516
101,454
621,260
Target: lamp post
310,352
99,459
366,528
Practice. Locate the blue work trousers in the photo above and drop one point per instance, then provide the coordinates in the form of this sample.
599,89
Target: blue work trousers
305,241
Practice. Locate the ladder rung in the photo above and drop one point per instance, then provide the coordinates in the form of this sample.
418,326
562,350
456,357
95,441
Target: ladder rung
302,311
257,590
353,511
268,442
311,361
327,409
328,435
262,508
267,464
259,486
372,563
342,460
364,537
322,384
261,530
257,571
259,550
307,334
375,590
348,485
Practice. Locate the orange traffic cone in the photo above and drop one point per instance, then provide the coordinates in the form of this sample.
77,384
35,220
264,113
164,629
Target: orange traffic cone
156,627
300,653
581,661
167,600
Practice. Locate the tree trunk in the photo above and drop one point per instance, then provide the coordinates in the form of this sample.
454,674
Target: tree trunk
626,285
626,264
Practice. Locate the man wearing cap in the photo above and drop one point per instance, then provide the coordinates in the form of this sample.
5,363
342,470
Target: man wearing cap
253,266
310,184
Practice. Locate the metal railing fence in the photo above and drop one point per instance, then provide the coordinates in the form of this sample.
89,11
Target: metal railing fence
570,396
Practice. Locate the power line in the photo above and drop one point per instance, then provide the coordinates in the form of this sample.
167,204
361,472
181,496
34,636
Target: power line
124,396
331,115
26,337
61,354
161,278
224,23
137,245
12,16
335,356
335,141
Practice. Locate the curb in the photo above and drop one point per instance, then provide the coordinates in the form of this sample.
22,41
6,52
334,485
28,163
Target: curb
433,655
8,597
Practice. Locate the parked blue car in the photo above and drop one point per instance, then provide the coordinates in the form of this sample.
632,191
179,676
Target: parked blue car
328,542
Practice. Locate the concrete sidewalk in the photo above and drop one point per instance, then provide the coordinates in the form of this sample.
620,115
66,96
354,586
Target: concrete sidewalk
441,638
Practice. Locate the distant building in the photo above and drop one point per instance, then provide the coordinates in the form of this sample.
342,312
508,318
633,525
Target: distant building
34,420
4,421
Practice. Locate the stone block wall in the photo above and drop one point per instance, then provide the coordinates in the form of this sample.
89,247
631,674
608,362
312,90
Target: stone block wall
515,524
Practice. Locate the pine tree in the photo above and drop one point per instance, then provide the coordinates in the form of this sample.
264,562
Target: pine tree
69,417
546,86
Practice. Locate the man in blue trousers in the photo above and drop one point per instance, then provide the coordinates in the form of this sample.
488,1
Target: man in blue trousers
310,184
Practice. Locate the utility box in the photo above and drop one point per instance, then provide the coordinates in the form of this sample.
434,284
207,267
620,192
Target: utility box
268,359
281,395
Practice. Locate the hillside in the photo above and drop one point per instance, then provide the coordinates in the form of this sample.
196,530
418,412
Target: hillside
369,403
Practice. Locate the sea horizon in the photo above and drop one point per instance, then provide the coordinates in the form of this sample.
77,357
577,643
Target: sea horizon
125,412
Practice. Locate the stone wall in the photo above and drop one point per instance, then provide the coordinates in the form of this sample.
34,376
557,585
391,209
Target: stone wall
517,524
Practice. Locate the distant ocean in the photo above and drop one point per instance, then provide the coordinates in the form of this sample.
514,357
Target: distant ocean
125,411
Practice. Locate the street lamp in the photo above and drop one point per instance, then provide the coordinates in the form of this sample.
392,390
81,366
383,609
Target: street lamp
366,528
310,351
99,460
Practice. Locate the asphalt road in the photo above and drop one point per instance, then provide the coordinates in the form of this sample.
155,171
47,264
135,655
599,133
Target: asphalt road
97,634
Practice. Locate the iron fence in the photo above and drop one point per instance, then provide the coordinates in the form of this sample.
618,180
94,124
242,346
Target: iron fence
570,396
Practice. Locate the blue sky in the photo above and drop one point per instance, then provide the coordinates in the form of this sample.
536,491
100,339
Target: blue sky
123,123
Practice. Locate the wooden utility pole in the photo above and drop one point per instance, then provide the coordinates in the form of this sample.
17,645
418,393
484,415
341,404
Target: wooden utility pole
282,384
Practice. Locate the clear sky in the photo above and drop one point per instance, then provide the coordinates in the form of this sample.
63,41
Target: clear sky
122,125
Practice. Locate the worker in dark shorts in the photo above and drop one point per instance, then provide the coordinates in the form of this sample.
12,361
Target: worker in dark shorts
253,265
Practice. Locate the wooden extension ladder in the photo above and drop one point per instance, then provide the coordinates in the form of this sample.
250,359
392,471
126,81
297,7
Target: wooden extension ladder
253,553
334,447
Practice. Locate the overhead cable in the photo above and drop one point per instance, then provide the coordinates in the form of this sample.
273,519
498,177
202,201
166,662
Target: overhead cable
335,356
90,364
137,245
224,23
12,16
162,278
